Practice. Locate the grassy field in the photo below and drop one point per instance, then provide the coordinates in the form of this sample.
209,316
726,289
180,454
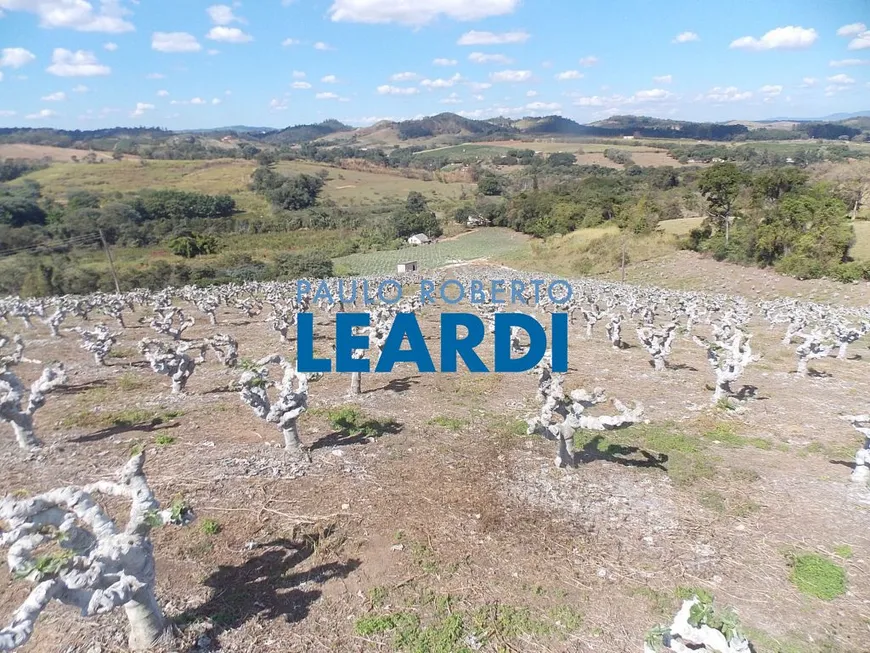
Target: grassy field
591,251
344,187
485,243
356,187
37,152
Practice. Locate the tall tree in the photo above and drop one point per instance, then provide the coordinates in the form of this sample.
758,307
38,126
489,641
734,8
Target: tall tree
720,184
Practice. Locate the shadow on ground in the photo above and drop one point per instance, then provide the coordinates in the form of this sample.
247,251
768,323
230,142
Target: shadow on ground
619,454
267,586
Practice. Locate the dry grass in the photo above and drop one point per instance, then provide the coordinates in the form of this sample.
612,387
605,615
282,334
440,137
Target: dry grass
25,151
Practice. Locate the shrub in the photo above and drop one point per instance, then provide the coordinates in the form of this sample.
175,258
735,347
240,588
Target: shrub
295,265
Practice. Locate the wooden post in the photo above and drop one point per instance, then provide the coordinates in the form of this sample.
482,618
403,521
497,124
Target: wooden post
111,262
623,257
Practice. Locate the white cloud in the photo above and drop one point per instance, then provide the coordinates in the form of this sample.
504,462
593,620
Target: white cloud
6,113
195,101
860,42
531,93
323,47
663,79
141,108
162,93
453,98
770,90
111,47
277,104
511,76
445,62
65,63
719,94
490,38
853,29
403,77
781,38
417,13
42,113
222,15
589,61
480,57
80,88
442,83
386,89
300,85
841,63
569,74
212,52
228,35
809,82
54,97
174,42
288,42
479,86
686,37
15,57
1,75
329,79
326,96
841,79
651,95
78,15
215,100
155,76
544,106
298,74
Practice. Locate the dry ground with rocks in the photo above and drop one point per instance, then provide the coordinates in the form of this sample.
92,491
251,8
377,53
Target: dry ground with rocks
441,514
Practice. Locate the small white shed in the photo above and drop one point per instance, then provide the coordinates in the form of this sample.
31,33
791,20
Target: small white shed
419,239
407,266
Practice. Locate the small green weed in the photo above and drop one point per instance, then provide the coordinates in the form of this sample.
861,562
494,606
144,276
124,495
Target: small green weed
210,527
450,423
817,576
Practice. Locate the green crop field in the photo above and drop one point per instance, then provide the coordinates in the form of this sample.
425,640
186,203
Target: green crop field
467,151
491,242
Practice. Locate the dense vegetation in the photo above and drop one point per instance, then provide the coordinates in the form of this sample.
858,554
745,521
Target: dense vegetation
778,218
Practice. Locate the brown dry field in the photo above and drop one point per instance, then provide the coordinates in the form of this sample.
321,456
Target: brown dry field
37,152
456,502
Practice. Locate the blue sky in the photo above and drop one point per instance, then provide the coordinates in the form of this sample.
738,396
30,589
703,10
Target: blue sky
96,63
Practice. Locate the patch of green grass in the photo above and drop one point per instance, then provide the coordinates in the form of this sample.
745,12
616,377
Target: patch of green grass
816,575
350,420
117,418
844,551
210,527
164,440
378,595
725,434
450,423
130,382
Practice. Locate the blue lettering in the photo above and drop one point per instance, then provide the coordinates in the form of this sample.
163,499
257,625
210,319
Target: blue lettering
346,341
404,325
305,361
537,342
451,345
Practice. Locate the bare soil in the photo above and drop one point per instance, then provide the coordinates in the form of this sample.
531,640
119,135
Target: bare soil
455,501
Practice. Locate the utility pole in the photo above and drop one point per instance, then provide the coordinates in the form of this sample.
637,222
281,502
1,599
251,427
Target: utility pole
623,257
111,262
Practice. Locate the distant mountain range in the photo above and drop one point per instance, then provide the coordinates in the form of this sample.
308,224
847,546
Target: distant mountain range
834,117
